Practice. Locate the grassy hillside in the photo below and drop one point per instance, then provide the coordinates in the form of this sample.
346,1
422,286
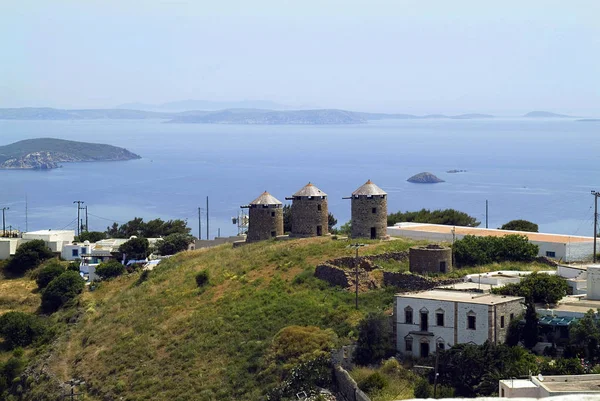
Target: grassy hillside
165,339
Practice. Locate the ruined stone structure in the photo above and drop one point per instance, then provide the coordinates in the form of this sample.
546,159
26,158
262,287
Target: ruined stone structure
309,212
265,217
369,212
430,259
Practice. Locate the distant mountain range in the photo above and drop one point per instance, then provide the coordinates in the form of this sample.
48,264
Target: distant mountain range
238,115
47,153
186,105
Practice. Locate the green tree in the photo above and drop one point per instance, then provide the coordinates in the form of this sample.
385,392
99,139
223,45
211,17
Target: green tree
174,243
475,250
331,222
448,217
29,256
531,329
584,336
92,236
346,228
374,339
10,372
48,273
537,288
110,269
423,389
135,249
61,290
520,225
562,366
152,229
20,329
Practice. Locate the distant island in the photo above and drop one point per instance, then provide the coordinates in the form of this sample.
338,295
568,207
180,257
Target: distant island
589,120
47,153
248,116
545,114
424,178
454,171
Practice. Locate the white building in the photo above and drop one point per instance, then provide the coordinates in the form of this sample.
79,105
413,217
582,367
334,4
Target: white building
439,319
566,248
8,247
76,250
53,239
549,386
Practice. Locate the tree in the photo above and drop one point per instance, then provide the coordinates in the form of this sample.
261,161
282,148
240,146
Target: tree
537,288
110,269
92,236
29,256
61,290
531,329
374,339
20,329
152,229
584,336
135,248
346,228
475,250
331,221
423,389
448,217
173,244
520,225
48,273
287,219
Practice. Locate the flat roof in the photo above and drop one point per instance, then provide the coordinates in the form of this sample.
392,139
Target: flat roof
45,232
469,285
572,383
461,296
518,383
443,229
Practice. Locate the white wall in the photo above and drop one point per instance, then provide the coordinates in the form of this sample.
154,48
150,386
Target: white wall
8,247
67,250
480,334
512,389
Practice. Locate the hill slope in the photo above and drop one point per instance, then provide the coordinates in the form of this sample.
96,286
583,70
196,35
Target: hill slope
46,153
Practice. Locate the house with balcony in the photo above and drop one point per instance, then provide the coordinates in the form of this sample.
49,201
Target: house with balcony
438,319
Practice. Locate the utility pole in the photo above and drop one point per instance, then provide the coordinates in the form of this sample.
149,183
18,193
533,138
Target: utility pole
356,246
4,209
207,223
86,220
596,195
486,213
79,202
200,223
26,213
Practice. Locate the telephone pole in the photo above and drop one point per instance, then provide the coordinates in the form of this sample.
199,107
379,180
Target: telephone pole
207,227
4,209
86,220
79,202
596,195
486,213
356,246
200,223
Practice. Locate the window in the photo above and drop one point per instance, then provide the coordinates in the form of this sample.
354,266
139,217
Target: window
319,207
441,346
408,344
502,321
272,214
550,254
424,322
512,317
443,267
471,322
273,233
374,210
439,317
83,251
75,252
408,316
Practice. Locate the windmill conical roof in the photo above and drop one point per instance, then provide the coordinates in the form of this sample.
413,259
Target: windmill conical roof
310,190
368,188
266,199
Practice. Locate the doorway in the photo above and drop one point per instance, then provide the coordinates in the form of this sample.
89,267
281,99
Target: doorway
424,350
443,267
373,232
319,231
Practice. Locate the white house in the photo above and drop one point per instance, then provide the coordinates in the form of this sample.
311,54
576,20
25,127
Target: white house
549,386
8,247
76,250
439,319
54,239
567,248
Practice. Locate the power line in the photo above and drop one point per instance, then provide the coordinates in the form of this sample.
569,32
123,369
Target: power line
104,218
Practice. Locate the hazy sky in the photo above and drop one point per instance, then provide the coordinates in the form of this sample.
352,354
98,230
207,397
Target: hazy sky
418,56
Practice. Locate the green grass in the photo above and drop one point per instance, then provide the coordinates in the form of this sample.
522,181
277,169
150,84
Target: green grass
400,381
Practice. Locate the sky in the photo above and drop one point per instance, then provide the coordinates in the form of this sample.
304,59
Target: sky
438,56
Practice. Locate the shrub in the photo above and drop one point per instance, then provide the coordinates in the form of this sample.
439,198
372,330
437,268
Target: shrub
473,250
423,389
74,266
448,217
173,244
61,290
49,273
110,269
135,248
202,278
537,288
520,225
374,339
20,329
92,236
375,381
29,256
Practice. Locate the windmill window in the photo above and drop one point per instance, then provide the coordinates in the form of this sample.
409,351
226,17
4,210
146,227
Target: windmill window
374,210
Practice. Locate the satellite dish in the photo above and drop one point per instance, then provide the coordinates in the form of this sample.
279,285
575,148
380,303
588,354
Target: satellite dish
540,377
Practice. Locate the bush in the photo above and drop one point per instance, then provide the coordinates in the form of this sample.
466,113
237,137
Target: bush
374,339
74,266
110,269
448,217
375,381
92,236
537,288
173,244
61,290
202,278
49,273
520,225
135,248
29,256
20,329
423,389
473,250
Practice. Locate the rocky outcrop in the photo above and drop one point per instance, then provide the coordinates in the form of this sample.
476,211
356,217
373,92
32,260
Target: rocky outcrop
346,278
424,178
36,161
413,282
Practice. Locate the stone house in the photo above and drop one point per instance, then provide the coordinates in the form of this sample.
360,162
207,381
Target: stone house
439,319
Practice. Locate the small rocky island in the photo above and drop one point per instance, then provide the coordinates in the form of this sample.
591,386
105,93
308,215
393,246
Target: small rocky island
454,171
48,153
424,178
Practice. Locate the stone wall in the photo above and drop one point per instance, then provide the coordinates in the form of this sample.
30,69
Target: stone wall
263,222
430,259
346,278
368,212
413,282
347,387
368,262
307,215
505,310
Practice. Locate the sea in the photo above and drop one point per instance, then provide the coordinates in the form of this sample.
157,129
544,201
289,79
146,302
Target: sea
540,170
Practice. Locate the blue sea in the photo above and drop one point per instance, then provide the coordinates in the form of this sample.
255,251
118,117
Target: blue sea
537,169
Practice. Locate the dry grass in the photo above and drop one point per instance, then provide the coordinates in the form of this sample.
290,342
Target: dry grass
18,294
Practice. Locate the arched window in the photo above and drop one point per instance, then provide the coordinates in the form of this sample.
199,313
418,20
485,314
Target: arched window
408,315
